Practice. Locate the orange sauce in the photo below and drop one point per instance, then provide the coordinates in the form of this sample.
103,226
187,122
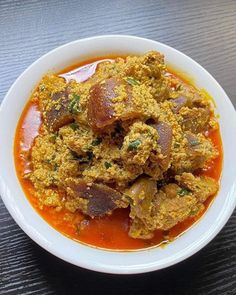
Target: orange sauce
110,232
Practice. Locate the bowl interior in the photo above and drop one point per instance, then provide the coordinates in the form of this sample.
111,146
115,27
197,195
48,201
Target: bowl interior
110,261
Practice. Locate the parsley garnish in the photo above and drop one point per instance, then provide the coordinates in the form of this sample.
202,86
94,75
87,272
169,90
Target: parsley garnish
194,142
42,87
194,211
176,145
132,81
183,192
74,126
74,105
133,145
96,141
179,87
53,138
107,165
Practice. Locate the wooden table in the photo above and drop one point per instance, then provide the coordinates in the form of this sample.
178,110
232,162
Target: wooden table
205,30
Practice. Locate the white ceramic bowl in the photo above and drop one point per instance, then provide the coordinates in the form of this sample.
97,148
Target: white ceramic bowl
95,259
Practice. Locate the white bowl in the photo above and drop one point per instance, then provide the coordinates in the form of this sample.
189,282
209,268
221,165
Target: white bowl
96,259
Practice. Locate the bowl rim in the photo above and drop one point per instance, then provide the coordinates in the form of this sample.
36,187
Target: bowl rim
100,266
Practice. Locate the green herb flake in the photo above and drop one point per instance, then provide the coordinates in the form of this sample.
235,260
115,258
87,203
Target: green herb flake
178,87
107,165
96,141
53,138
132,81
133,145
183,192
176,145
74,126
42,87
128,198
193,211
194,142
73,106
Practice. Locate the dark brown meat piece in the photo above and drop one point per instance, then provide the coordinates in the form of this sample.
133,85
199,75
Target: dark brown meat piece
100,110
164,131
101,107
102,199
196,119
58,115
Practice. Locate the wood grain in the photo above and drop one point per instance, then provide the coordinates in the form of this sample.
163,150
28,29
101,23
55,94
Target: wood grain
205,30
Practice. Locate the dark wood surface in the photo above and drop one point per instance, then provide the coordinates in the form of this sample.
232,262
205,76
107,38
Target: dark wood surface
205,30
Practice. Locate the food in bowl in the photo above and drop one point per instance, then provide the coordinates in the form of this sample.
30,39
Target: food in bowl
119,152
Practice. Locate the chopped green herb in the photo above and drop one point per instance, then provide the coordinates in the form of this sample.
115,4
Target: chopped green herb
129,199
132,81
179,87
194,142
74,105
42,87
53,179
107,165
176,145
149,133
74,126
194,211
53,138
96,141
183,192
133,145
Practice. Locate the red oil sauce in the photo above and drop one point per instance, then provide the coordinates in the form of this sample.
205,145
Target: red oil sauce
110,232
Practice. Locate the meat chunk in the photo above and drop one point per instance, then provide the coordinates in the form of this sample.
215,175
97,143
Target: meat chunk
164,131
138,230
101,199
100,105
109,101
180,102
170,209
195,120
195,154
201,186
140,196
172,204
167,208
57,113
